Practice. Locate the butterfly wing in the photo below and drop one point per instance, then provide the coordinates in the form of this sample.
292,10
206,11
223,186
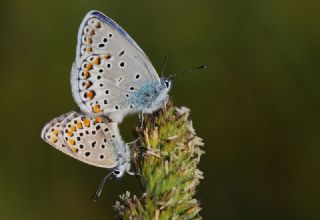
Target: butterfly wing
109,67
90,140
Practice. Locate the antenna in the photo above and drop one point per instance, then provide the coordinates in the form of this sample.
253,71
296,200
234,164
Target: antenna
165,64
109,176
189,71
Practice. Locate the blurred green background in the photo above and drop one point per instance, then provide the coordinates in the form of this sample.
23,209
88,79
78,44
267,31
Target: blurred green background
257,105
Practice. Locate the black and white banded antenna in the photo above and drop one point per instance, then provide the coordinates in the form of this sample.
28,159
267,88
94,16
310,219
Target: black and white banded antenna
188,71
166,58
108,177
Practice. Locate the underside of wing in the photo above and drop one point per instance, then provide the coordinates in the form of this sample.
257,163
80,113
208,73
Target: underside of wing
109,67
90,140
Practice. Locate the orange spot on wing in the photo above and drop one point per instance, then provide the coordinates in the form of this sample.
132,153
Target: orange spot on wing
86,74
74,149
55,132
79,125
53,140
87,84
86,122
70,133
89,40
89,66
89,49
99,119
96,61
72,142
73,128
90,94
107,56
91,32
96,108
98,25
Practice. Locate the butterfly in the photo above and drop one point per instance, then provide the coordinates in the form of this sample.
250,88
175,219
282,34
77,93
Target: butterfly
111,75
92,140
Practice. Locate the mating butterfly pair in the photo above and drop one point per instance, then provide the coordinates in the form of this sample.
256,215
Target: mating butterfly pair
110,78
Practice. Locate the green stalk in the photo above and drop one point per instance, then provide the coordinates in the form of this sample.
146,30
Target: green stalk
166,156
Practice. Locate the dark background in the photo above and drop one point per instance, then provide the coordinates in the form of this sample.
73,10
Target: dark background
257,105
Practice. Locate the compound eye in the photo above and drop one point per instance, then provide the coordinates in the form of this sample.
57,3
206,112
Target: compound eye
166,82
116,172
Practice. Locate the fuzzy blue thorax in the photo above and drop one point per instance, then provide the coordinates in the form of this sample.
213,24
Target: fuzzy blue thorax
150,96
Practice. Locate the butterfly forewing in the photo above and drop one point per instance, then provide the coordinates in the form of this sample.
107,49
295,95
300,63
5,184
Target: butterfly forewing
89,139
109,67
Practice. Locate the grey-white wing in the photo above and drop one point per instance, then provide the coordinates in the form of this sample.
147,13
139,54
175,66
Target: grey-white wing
109,67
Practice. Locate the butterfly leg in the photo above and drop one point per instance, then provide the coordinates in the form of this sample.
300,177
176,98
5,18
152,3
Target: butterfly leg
133,142
141,119
133,173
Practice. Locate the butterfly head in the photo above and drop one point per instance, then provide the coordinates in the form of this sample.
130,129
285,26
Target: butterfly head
118,172
166,83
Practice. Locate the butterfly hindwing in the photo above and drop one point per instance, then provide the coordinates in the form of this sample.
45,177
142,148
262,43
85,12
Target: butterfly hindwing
109,69
89,139
51,133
